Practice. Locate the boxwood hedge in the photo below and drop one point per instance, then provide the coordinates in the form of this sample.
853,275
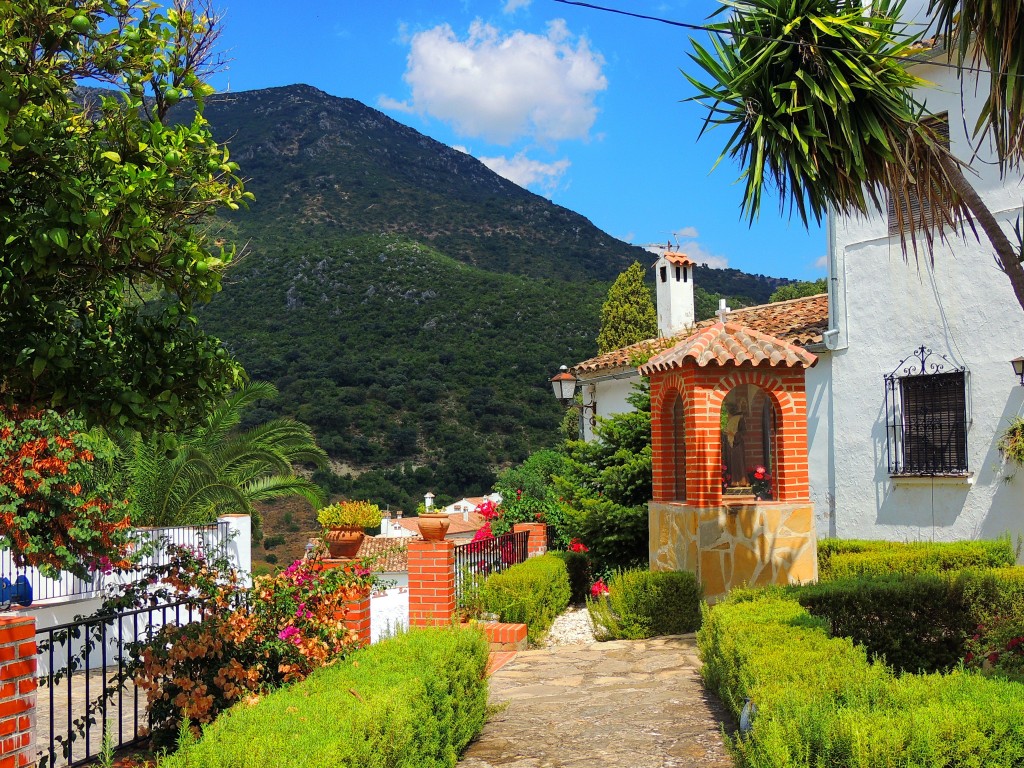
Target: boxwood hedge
533,592
847,558
412,701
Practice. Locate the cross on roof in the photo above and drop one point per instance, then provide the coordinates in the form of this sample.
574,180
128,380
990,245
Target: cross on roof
723,310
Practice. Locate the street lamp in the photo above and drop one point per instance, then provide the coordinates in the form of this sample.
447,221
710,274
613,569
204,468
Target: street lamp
564,385
1018,368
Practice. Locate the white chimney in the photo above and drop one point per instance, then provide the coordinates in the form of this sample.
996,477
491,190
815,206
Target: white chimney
673,274
465,511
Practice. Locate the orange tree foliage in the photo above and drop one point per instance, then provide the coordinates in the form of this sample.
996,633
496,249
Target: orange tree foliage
55,511
246,642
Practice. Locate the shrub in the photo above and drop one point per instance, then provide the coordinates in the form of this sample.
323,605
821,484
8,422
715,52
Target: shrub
820,701
412,701
532,593
646,604
918,624
840,559
580,576
283,629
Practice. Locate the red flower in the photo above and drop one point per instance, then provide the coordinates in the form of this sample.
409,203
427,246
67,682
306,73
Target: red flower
993,657
578,546
599,588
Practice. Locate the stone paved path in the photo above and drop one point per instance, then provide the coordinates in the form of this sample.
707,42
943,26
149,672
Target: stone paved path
623,704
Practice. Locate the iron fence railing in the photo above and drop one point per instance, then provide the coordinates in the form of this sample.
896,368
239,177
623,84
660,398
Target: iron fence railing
477,560
85,692
69,586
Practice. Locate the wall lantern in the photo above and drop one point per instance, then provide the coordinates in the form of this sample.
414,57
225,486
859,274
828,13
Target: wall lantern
564,385
1018,368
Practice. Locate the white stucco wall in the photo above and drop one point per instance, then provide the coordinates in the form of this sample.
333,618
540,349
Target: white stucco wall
962,307
610,395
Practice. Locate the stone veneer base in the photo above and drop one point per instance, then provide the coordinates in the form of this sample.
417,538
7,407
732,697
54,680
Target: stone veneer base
732,545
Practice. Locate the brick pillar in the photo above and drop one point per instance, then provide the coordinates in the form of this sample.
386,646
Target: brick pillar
538,541
357,616
17,691
431,583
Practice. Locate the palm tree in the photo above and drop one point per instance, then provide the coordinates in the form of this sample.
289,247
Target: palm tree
822,108
217,468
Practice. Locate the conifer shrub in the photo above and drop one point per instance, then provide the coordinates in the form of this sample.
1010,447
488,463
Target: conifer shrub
846,558
577,564
412,701
642,603
533,592
819,700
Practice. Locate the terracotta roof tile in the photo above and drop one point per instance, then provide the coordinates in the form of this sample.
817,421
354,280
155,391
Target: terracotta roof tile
797,321
725,343
391,554
679,259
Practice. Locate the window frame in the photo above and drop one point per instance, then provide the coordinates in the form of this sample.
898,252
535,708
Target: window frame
927,436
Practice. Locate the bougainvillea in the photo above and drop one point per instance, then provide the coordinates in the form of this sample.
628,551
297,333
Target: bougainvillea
245,642
57,512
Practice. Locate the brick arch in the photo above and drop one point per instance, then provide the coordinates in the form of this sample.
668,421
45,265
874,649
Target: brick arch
664,391
784,387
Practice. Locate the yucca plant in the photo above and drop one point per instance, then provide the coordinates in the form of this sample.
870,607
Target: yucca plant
217,468
987,34
822,109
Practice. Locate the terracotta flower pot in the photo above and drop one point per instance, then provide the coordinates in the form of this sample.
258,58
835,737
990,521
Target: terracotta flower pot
433,527
344,542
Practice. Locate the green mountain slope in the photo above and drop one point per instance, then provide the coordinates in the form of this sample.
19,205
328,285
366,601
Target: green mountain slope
392,351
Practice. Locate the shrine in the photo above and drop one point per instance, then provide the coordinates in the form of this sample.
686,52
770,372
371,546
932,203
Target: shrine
731,498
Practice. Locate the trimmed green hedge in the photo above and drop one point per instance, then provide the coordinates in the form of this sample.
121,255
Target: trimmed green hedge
820,701
849,558
412,701
920,622
533,592
643,603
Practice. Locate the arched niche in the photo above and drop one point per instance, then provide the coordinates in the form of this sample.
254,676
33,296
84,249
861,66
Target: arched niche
749,425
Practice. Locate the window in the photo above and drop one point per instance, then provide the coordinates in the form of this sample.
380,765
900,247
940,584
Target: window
677,274
926,402
664,274
910,207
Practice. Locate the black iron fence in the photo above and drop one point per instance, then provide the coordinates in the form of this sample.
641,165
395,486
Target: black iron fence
477,560
552,541
86,693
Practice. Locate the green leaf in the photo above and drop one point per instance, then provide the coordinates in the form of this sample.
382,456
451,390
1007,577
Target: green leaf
114,157
38,366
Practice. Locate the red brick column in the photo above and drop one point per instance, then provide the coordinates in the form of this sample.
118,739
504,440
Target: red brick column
17,691
538,541
431,583
357,616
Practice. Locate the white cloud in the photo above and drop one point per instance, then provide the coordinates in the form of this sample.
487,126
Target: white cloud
386,102
511,6
524,171
684,240
504,87
821,262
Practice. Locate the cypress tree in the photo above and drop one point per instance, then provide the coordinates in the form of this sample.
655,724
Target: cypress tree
627,315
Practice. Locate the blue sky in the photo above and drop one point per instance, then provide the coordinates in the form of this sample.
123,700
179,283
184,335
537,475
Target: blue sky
584,107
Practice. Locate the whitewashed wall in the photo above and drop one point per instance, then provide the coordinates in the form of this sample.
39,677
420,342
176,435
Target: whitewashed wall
884,308
610,395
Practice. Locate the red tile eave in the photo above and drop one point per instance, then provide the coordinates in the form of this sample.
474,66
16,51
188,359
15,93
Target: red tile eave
796,322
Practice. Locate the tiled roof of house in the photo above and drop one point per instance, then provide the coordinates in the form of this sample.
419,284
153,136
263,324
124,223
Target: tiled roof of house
391,553
725,343
797,321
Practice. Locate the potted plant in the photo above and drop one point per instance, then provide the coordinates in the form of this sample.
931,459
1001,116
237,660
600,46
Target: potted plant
433,525
343,525
1011,442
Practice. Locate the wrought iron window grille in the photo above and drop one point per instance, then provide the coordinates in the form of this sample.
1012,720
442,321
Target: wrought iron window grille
926,415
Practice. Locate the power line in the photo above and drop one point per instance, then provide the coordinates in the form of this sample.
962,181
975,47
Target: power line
751,36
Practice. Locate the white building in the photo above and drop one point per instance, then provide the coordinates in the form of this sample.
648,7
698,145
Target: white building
895,451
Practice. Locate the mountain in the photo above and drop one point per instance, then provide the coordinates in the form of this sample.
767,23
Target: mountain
409,303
